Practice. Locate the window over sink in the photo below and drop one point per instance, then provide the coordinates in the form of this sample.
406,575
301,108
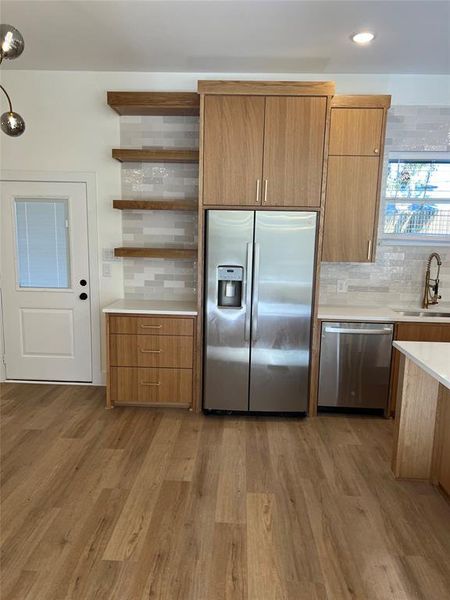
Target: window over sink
417,198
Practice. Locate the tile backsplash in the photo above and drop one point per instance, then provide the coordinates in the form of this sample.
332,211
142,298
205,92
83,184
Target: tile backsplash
160,279
396,277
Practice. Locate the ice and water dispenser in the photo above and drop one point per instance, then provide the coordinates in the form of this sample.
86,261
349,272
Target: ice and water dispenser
230,280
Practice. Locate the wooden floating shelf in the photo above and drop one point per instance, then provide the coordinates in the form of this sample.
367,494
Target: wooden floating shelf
188,205
173,253
156,155
155,103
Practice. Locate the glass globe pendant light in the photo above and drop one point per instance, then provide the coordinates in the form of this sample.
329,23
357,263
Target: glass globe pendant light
11,42
11,122
11,46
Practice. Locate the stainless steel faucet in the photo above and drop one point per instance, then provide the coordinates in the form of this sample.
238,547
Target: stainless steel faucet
430,283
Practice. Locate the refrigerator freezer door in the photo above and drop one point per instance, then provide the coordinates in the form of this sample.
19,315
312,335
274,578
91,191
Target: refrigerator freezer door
229,241
284,259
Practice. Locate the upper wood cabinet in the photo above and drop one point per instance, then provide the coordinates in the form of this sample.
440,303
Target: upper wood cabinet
293,150
356,140
356,131
233,150
263,145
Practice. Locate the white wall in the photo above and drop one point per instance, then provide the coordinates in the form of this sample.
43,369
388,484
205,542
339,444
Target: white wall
71,128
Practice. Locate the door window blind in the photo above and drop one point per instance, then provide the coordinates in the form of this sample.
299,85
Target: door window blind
42,237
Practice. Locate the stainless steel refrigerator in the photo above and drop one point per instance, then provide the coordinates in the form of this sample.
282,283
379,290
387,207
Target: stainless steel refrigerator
259,275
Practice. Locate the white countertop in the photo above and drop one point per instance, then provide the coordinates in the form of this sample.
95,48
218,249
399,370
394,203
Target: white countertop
379,314
152,307
432,357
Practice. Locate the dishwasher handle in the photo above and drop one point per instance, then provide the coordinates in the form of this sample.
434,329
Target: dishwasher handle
384,331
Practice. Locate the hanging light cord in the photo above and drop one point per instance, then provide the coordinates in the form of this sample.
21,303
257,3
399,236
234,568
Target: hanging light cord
8,98
3,89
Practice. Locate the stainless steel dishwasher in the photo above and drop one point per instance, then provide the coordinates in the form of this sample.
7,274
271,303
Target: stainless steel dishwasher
355,365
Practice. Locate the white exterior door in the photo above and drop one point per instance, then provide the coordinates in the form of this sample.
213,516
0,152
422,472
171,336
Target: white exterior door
45,281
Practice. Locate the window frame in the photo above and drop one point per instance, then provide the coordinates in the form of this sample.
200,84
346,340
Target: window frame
391,239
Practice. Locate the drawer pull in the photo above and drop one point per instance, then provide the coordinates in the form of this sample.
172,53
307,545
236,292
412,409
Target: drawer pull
157,383
151,326
150,351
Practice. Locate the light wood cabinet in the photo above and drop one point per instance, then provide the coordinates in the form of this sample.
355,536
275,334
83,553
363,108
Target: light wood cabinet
263,150
350,209
413,332
151,360
293,151
441,474
154,387
233,147
356,131
356,140
151,325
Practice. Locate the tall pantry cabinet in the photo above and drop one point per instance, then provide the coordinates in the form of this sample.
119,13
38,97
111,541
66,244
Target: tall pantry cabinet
355,164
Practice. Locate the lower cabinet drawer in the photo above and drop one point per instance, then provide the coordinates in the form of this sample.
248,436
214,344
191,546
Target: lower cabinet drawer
164,387
167,351
151,325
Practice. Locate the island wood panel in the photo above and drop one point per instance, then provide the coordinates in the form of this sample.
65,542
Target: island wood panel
356,131
156,155
154,103
172,253
143,325
167,351
159,387
293,151
267,88
415,422
441,459
150,204
233,132
351,207
413,332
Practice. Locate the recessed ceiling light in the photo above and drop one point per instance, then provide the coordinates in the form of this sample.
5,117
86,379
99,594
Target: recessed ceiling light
363,37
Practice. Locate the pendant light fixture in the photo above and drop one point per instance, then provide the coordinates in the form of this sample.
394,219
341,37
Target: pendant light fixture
11,46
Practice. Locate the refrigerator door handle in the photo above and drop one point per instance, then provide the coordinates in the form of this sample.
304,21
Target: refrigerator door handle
248,291
255,293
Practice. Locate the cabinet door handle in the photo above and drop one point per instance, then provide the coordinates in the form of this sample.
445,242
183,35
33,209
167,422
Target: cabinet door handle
151,326
266,183
150,351
157,383
369,250
376,150
258,183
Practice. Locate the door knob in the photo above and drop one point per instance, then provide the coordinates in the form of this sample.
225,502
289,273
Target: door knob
83,296
83,282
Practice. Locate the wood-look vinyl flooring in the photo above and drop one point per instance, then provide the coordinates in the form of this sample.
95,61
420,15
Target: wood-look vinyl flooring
134,503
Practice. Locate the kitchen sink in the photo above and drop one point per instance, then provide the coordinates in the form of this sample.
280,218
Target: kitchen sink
422,313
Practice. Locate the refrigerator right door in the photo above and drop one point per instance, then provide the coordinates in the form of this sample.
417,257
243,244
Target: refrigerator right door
283,277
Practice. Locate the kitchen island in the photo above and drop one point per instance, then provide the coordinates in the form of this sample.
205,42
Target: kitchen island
422,419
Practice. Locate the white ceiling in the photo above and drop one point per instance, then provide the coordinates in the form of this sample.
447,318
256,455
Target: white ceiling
231,36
